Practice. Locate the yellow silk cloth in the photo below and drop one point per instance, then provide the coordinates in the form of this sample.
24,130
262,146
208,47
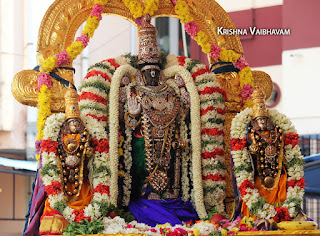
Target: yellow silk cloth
52,222
277,195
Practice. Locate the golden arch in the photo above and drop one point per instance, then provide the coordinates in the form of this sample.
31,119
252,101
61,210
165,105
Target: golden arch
64,17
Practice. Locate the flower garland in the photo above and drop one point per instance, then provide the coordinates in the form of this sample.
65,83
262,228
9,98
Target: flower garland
191,27
51,63
244,174
212,110
137,10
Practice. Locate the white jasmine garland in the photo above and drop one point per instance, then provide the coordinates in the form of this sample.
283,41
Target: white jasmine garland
114,126
295,172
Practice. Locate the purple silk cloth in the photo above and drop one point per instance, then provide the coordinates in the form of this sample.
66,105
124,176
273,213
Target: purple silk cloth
37,206
152,212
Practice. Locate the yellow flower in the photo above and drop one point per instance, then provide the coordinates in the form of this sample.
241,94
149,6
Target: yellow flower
182,9
120,173
75,49
201,38
228,55
196,232
44,100
91,25
135,8
164,225
101,2
150,7
206,48
246,77
49,64
120,152
224,232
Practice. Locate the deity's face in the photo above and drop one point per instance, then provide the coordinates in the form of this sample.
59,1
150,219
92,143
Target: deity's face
151,74
74,126
262,122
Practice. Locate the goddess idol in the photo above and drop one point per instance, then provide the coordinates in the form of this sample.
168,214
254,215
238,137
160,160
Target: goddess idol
268,165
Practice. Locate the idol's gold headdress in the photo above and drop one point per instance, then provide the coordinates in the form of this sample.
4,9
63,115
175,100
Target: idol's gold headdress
71,103
148,45
259,104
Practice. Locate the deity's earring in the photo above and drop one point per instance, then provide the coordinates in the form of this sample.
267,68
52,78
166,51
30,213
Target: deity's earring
153,73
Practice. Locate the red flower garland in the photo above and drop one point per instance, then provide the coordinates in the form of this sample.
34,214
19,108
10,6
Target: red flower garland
244,186
95,72
211,108
212,132
112,61
211,90
238,144
102,118
216,177
182,60
201,72
48,145
282,214
292,139
92,96
216,152
102,189
80,216
101,145
54,188
300,183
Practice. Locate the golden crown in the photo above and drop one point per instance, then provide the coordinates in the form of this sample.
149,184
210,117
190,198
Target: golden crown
148,45
71,103
259,104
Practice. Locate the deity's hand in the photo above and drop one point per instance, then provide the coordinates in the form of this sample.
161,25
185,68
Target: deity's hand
134,106
185,96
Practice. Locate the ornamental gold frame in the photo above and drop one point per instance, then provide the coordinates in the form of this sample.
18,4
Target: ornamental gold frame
63,18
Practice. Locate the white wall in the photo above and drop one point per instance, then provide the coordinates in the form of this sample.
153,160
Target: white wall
301,88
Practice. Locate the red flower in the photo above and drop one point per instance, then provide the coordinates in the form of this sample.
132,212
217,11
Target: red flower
53,188
212,132
216,152
181,60
238,144
112,61
201,72
211,108
211,90
282,214
92,96
216,177
300,183
95,72
49,146
80,216
101,145
244,186
102,118
102,189
292,139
